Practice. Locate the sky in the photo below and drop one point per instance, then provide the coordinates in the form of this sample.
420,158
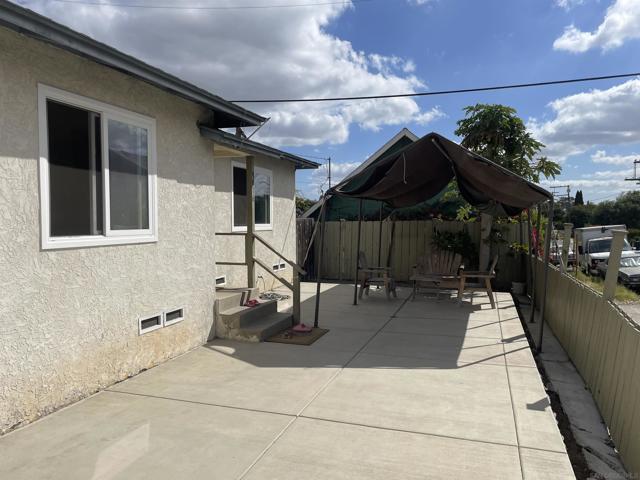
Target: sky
371,47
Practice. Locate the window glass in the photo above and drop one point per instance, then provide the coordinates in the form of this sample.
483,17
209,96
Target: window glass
262,197
128,176
75,171
239,197
262,189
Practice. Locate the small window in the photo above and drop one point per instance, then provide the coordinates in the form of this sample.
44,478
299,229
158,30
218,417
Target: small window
97,166
221,281
149,324
262,191
173,316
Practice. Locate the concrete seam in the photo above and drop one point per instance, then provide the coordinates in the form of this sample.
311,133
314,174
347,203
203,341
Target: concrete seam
513,407
318,393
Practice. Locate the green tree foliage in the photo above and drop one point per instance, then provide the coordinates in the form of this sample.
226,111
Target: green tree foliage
497,133
303,204
579,198
624,210
580,215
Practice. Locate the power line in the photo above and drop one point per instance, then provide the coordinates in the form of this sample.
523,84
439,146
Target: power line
443,92
204,7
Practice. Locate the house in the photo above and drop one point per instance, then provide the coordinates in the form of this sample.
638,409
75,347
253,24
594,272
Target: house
117,184
400,140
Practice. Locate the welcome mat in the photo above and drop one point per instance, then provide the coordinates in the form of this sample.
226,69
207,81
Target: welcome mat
296,339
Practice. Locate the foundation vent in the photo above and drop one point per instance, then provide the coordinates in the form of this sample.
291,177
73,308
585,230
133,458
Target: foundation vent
149,324
279,266
173,316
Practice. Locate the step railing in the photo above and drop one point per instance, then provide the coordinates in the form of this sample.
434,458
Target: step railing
294,286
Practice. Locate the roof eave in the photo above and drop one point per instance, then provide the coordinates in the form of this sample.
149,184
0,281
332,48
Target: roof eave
30,23
252,147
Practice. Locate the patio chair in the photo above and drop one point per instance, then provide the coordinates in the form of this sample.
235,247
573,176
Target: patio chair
379,276
441,270
487,276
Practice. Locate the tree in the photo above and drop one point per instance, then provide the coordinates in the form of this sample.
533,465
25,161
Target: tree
579,198
624,210
302,205
497,133
581,215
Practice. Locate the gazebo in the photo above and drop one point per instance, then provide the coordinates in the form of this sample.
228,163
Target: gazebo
420,171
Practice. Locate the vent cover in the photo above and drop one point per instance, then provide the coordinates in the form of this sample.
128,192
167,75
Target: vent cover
221,281
279,266
149,324
173,316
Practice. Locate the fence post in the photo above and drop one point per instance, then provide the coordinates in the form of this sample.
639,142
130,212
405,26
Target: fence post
484,247
613,264
296,298
566,241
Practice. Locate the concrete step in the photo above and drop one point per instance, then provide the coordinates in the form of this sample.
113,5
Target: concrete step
226,299
241,316
263,328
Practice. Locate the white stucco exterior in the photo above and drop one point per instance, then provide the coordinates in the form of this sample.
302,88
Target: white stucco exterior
70,317
281,236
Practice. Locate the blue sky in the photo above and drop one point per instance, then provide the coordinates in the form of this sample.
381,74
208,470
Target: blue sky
458,44
388,46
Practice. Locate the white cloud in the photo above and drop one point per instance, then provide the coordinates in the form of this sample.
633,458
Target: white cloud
265,53
601,157
608,174
568,4
595,189
620,23
588,119
318,178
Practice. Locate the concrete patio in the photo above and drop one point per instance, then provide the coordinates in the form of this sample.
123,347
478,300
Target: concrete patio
396,389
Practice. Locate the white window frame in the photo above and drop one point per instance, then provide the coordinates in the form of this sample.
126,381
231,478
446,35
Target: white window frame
262,171
107,112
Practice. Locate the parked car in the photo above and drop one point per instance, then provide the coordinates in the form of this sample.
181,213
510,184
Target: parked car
594,246
555,254
629,272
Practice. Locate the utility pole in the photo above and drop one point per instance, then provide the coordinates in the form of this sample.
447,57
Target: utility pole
635,177
329,175
556,194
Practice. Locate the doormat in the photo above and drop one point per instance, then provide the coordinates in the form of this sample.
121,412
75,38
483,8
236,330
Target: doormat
297,339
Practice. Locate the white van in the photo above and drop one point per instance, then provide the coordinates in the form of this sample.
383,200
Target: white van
594,246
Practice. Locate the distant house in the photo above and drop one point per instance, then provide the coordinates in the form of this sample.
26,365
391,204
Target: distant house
115,178
400,140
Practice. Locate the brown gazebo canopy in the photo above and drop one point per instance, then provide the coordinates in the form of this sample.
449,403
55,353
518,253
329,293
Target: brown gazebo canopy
421,170
424,168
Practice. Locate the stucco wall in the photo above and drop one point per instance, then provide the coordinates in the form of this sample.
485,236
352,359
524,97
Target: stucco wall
69,317
282,236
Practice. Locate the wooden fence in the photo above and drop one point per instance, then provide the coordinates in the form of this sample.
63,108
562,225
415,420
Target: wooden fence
604,345
411,239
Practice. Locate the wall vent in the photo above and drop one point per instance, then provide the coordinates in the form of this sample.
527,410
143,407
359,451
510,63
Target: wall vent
279,266
172,316
149,324
221,281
